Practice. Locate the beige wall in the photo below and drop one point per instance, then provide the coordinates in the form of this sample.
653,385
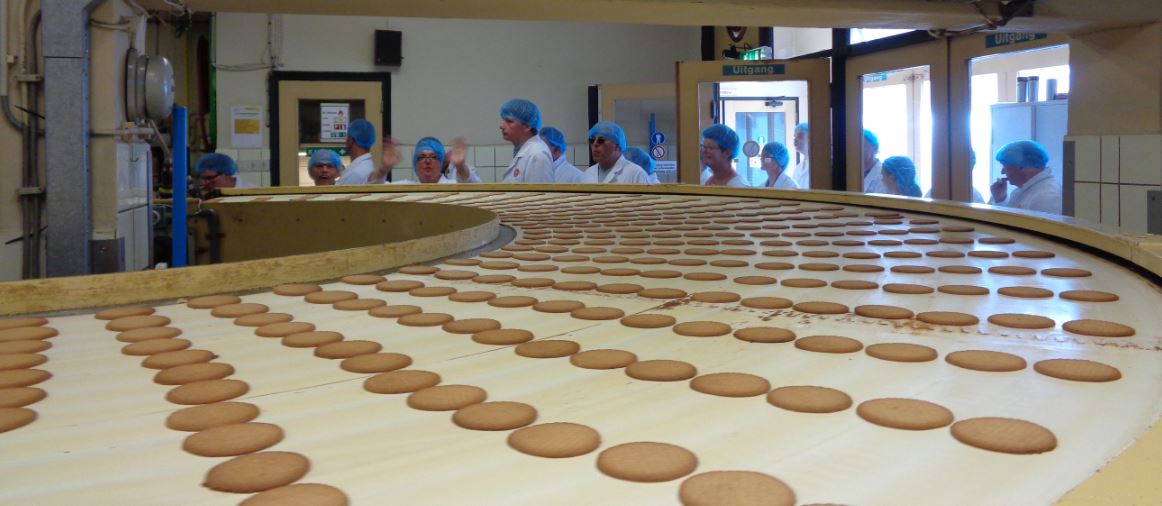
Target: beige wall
1117,82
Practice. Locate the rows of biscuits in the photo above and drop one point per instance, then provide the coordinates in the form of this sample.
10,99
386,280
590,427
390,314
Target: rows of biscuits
625,349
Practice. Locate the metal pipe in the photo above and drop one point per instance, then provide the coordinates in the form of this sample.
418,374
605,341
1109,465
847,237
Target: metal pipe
180,169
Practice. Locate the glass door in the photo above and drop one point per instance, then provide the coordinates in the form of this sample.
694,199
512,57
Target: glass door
762,102
648,114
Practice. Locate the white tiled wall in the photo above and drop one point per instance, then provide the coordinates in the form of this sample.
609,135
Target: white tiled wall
1112,175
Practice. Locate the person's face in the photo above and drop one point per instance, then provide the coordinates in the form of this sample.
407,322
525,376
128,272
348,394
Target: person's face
555,152
324,173
428,166
212,180
604,150
513,130
800,141
713,156
1017,176
890,183
770,166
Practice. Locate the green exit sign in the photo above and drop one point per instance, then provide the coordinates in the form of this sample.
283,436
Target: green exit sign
337,149
757,54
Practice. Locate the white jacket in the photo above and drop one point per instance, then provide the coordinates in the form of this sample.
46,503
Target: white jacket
531,163
783,181
873,182
622,172
1040,193
802,174
565,172
358,171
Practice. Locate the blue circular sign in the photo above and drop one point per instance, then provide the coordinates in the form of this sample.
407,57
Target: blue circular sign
658,138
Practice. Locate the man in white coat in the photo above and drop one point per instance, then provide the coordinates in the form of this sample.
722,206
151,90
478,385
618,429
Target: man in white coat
428,162
606,142
563,171
802,143
532,162
873,176
361,170
1025,165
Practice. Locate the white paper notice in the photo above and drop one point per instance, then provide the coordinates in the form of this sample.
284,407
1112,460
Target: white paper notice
246,126
334,121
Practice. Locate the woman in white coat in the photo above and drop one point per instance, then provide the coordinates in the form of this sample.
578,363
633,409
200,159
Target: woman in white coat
774,159
606,142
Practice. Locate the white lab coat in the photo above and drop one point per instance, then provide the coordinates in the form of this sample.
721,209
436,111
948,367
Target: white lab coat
473,177
653,178
802,175
358,171
873,182
531,163
1040,193
242,183
783,181
622,172
734,181
565,172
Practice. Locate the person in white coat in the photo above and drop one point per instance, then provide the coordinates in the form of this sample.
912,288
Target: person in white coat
720,147
216,170
606,143
774,160
642,159
563,171
324,167
802,174
361,170
1025,165
428,162
873,177
532,162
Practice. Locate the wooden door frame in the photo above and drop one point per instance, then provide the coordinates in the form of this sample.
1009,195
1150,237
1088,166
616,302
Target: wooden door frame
277,76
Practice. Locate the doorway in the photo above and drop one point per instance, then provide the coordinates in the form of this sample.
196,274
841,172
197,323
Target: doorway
648,115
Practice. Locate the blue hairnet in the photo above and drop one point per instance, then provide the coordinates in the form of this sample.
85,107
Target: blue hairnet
904,171
779,152
554,138
725,137
325,155
610,131
523,111
216,162
802,127
362,132
641,158
871,138
429,144
1023,154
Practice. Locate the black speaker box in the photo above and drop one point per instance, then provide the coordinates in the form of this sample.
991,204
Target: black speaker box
388,48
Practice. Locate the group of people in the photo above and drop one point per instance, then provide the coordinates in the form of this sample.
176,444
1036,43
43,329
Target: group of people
539,157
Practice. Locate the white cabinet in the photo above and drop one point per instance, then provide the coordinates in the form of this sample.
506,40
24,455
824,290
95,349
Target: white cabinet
1045,122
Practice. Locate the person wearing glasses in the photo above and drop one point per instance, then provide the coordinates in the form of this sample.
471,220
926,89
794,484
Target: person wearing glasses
563,171
360,138
720,147
774,159
1025,164
606,142
428,162
324,167
642,159
216,170
531,161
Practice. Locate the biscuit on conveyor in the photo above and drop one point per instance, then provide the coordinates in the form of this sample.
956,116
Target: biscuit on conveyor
512,301
18,397
1004,435
295,289
1059,272
233,439
907,289
820,307
766,302
347,349
455,275
176,358
503,336
136,322
736,488
620,288
497,415
28,321
399,382
425,319
418,269
809,399
602,359
237,310
1021,321
662,293
212,301
803,283
15,418
260,319
716,297
829,344
375,362
584,269
22,377
854,284
702,329
574,285
362,279
963,290
883,312
1025,292
947,318
446,397
257,472
558,306
1098,328
124,312
731,384
906,414
648,321
901,352
764,335
358,304
155,346
311,339
206,392
398,285
189,373
555,440
493,279
548,348
985,360
647,462
1088,296
863,268
395,311
304,494
283,329
24,346
198,418
21,361
1077,370
661,370
470,325
533,282
432,291
597,313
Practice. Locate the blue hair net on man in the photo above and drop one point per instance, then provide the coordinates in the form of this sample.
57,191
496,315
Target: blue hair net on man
1028,154
429,144
610,131
904,171
519,109
871,138
554,138
325,155
778,152
725,137
362,132
216,162
802,127
641,158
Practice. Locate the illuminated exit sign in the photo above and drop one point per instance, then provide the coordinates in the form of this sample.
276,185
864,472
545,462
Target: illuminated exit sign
757,54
